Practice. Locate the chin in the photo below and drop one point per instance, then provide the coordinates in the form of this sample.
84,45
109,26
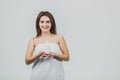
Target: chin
46,31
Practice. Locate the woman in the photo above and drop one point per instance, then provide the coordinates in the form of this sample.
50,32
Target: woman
47,50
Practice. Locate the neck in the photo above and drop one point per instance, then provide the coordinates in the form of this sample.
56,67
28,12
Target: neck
46,34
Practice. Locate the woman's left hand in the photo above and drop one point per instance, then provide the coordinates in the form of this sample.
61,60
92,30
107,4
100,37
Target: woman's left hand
51,54
48,54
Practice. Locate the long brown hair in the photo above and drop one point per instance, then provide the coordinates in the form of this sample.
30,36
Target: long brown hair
53,24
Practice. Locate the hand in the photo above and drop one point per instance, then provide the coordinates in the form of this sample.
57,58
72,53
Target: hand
41,53
51,54
46,54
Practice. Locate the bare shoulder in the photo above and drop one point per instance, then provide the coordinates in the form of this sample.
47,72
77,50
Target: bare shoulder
59,36
35,39
31,41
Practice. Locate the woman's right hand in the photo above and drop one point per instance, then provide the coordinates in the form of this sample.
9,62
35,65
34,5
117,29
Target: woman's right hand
41,53
44,54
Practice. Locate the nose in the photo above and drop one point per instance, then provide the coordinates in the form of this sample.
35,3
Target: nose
44,23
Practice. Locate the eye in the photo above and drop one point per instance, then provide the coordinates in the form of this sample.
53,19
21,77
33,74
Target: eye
48,21
41,21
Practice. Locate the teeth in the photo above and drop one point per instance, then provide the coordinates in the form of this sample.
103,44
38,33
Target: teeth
45,27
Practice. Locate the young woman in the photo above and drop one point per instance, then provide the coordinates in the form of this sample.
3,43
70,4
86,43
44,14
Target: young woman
47,50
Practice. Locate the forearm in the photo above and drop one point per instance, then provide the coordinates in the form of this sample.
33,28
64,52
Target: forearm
62,57
31,59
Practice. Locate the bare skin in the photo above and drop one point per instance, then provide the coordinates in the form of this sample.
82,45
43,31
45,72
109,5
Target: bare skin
45,26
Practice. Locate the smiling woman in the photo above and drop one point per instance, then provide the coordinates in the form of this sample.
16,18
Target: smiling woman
47,50
45,24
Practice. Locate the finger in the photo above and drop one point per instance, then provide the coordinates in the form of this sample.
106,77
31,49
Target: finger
41,53
52,53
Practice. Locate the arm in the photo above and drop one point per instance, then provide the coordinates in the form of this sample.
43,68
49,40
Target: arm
65,54
29,58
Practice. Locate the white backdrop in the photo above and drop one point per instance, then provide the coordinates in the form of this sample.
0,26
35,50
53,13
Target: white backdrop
91,29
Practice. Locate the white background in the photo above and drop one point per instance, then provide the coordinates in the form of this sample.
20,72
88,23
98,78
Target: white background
91,29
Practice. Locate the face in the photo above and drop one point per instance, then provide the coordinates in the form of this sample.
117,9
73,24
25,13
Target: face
45,24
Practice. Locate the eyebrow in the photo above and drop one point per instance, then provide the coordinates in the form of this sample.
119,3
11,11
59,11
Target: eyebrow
43,20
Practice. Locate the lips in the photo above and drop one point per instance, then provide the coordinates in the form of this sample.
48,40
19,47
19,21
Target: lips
45,28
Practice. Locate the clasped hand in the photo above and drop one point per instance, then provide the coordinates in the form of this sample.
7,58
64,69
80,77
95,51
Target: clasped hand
44,54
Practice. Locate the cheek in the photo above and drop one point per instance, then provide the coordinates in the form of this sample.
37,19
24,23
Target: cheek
39,24
50,25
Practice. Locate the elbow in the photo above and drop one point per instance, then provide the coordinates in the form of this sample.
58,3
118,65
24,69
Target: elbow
67,58
27,61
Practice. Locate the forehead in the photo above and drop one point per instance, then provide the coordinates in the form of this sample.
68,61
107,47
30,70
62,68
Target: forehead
44,18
